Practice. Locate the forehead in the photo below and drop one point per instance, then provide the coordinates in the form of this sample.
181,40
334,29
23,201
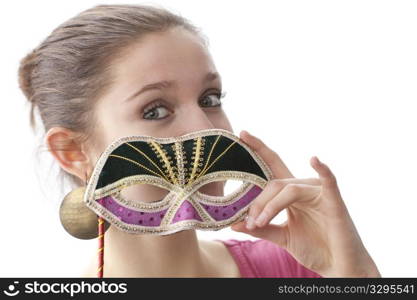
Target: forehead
174,54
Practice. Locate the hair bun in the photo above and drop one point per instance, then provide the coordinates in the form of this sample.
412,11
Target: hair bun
27,65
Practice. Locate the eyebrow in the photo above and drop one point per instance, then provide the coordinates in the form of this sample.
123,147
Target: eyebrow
211,76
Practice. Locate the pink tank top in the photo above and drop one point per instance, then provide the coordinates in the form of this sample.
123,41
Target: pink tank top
263,258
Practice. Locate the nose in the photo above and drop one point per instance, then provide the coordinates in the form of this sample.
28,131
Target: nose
194,119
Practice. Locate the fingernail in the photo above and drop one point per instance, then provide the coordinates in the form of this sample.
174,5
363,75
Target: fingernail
318,160
261,219
250,223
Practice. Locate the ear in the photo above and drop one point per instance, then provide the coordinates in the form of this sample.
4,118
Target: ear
70,155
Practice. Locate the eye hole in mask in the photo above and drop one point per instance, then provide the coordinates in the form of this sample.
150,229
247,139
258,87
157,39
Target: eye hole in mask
154,194
149,185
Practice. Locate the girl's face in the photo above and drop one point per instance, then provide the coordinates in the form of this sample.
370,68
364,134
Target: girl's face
165,85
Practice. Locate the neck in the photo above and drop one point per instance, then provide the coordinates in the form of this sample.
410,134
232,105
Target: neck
138,255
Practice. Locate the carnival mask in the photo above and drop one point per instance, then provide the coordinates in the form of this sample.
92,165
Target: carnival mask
181,166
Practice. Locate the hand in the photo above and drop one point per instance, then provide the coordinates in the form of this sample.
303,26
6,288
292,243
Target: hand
318,232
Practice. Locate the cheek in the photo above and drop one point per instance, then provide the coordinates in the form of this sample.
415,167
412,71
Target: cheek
112,125
220,120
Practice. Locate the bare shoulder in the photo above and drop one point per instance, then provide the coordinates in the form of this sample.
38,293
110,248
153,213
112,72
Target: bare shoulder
222,258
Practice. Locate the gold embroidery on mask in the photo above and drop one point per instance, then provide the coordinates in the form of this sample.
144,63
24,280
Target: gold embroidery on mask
166,160
151,161
171,178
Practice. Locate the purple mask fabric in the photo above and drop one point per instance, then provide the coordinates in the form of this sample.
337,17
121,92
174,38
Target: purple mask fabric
180,166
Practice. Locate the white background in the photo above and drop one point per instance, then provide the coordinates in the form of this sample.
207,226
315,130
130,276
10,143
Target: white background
336,79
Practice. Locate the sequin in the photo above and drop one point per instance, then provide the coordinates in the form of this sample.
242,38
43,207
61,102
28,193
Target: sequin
184,207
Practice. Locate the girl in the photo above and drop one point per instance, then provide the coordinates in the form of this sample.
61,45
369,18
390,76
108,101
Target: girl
118,70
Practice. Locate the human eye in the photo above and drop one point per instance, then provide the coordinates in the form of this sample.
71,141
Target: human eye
155,111
212,99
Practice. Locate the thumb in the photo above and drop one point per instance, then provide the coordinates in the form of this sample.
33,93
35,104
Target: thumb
277,234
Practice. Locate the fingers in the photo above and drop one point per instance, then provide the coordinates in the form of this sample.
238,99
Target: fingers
271,158
272,232
289,194
272,188
326,176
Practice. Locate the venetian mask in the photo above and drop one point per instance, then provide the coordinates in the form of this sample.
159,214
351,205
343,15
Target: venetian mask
180,166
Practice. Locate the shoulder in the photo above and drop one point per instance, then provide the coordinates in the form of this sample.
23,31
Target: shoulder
263,258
